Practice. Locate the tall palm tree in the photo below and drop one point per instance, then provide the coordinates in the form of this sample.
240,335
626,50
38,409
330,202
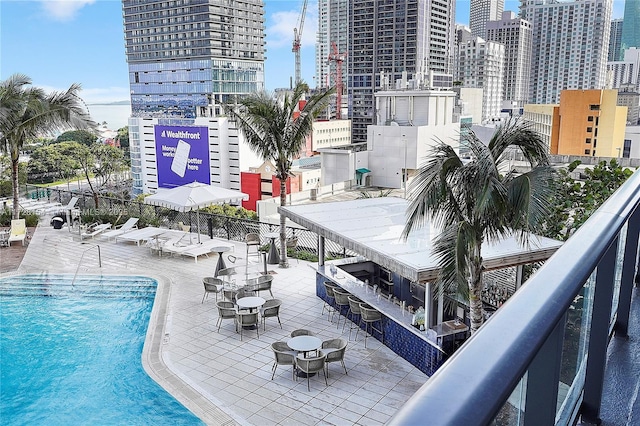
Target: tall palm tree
277,130
475,202
27,112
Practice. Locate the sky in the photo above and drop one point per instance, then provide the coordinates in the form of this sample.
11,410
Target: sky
58,43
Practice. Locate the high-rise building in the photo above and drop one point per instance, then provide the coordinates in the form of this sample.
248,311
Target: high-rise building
481,12
631,25
515,34
570,44
626,72
185,55
333,27
481,65
615,40
394,36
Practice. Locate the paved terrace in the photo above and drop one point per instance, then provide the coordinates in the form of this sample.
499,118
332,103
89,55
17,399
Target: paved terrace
221,379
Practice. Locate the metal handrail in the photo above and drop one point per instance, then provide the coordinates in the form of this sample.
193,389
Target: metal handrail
80,261
474,384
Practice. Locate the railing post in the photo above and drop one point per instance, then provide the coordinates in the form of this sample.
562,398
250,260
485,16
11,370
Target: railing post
599,335
621,325
542,380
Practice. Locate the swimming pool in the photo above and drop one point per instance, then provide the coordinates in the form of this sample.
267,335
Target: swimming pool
72,354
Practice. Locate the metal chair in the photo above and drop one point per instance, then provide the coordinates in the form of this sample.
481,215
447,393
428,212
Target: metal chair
370,316
334,349
354,310
329,287
342,301
261,283
252,239
301,332
226,310
283,356
311,366
247,319
212,285
270,309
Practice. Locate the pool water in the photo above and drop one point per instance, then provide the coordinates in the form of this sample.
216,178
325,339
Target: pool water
71,355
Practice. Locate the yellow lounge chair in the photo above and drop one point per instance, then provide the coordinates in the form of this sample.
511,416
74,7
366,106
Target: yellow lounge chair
18,231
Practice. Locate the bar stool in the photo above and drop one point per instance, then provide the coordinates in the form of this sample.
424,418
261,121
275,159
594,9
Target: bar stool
370,316
342,301
329,287
354,310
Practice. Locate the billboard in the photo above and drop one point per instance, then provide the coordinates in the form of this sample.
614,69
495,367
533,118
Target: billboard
182,155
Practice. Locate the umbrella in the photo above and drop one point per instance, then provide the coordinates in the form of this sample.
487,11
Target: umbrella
192,196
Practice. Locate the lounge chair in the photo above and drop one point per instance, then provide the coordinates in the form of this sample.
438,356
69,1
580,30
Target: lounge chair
95,229
141,235
18,231
121,229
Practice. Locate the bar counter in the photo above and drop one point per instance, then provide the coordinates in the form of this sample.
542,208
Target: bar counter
409,342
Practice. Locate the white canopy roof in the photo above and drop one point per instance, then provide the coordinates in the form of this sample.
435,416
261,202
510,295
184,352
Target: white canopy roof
373,228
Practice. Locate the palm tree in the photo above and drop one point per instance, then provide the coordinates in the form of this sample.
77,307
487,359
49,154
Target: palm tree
27,112
475,202
277,130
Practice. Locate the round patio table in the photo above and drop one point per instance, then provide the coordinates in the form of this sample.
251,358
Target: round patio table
220,265
251,303
304,344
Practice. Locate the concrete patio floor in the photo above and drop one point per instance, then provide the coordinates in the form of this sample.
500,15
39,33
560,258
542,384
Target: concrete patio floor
220,378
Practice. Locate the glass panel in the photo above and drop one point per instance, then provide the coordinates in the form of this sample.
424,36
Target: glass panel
574,351
618,272
511,413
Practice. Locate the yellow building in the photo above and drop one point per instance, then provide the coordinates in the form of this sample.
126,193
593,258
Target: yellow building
591,123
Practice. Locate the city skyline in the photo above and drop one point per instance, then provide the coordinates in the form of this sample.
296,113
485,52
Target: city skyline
60,32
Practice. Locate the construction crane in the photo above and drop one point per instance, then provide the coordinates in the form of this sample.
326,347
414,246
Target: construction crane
297,35
338,58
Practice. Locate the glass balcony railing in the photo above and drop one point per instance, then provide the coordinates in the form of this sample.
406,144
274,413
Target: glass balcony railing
540,360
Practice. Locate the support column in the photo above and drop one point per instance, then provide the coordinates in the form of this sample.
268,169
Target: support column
621,326
320,250
599,336
542,380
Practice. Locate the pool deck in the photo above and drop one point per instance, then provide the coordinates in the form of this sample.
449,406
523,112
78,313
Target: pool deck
221,379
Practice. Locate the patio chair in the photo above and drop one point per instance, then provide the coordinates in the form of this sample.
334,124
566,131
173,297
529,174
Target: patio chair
301,332
226,310
270,309
311,366
369,316
211,285
248,320
334,349
252,240
342,301
261,283
283,356
121,229
95,229
329,287
18,231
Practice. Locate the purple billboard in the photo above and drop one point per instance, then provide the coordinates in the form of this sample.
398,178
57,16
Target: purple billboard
182,155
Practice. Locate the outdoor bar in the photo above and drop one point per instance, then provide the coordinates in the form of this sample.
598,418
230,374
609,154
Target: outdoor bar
394,275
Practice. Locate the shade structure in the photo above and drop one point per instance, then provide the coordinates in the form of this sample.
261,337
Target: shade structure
193,196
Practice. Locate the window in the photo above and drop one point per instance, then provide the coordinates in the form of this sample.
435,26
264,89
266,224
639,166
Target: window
588,140
594,107
590,118
589,129
587,152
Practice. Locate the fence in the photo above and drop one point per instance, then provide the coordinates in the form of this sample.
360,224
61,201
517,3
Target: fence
225,227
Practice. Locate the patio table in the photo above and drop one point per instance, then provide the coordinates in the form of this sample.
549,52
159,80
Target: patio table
304,344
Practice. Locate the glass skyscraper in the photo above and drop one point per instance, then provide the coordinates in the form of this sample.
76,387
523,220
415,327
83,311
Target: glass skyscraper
631,25
186,54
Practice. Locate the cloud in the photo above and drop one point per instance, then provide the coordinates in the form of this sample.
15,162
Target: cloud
280,30
64,10
90,96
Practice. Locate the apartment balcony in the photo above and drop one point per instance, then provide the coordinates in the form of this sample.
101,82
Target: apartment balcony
563,349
